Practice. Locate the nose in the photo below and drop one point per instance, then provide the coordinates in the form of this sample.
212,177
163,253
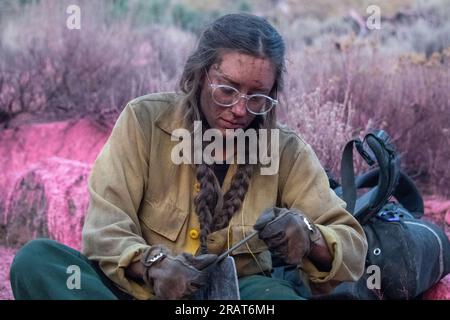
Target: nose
239,109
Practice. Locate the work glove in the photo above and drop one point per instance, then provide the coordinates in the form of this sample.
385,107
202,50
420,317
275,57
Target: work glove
290,237
178,277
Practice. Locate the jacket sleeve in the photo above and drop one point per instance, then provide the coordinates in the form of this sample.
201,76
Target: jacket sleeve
306,188
111,233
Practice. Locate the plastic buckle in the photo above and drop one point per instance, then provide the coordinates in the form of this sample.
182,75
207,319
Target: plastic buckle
388,215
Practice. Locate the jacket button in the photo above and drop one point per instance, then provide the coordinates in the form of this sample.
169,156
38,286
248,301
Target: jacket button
193,233
197,187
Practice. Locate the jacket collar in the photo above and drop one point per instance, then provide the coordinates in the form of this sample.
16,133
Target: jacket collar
175,116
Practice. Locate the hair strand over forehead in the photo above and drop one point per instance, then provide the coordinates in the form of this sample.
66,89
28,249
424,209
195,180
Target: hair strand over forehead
244,33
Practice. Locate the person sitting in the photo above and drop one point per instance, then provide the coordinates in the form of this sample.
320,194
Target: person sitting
154,224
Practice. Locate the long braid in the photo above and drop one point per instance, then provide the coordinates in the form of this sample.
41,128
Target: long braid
207,201
234,197
215,210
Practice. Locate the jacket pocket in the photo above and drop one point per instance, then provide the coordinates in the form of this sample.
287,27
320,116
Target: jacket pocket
164,218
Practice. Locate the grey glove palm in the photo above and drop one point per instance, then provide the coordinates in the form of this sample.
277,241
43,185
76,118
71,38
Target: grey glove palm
290,237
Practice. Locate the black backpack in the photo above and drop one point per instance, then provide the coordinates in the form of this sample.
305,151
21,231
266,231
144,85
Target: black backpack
406,255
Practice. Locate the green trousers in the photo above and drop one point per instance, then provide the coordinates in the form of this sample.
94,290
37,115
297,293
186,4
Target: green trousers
43,269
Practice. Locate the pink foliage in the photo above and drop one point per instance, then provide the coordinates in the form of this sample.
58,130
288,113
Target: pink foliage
340,90
333,92
58,73
54,157
24,146
7,256
437,210
322,121
441,291
64,182
438,206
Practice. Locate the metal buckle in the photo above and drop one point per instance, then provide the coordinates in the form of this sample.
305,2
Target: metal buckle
314,234
156,257
308,224
149,261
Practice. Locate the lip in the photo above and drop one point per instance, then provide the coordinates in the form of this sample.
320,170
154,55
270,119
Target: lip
230,125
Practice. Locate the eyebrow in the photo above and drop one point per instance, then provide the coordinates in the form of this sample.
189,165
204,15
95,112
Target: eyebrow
234,83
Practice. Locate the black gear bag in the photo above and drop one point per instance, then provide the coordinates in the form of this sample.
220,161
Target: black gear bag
406,255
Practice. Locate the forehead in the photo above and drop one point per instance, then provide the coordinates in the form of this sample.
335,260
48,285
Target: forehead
246,70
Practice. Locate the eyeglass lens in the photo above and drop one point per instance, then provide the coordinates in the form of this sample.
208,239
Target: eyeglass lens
228,96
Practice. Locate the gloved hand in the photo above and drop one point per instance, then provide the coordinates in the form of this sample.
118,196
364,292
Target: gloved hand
290,237
175,277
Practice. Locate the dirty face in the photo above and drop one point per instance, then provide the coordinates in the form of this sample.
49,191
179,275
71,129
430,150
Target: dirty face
248,74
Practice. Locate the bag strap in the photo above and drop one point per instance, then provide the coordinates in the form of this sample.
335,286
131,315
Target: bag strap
406,192
348,171
384,154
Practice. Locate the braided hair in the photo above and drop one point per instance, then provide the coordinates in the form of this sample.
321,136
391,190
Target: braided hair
248,34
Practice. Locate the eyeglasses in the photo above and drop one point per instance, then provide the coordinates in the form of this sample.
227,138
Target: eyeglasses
227,96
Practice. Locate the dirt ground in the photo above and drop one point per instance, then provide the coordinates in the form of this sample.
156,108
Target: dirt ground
7,256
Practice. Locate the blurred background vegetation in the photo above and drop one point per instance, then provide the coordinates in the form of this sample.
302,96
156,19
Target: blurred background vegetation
341,79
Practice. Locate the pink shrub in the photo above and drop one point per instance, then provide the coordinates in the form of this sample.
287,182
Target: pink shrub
342,90
25,146
58,73
441,291
7,255
437,210
39,182
323,123
333,92
50,200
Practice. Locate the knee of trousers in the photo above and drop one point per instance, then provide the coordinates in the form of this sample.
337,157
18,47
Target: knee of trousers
30,259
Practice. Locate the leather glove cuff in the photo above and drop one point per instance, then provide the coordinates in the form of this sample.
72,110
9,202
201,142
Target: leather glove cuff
152,256
313,232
